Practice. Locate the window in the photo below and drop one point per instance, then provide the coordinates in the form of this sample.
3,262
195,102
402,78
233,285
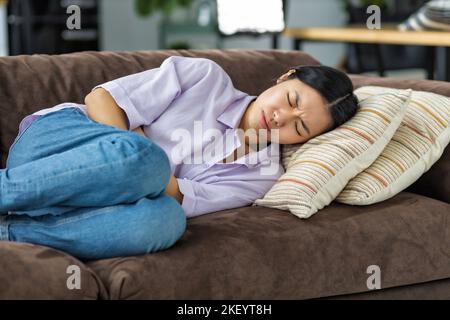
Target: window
253,16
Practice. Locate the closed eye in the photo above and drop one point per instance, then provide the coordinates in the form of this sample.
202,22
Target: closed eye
296,122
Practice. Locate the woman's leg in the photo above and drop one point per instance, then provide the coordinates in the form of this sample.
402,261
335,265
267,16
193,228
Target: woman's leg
148,225
65,159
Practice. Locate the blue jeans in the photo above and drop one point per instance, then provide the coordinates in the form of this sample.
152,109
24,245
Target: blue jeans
89,189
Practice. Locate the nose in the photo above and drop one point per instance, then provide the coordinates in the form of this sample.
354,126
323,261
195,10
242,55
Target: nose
281,117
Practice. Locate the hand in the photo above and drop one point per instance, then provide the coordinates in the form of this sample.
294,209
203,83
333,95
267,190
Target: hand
173,190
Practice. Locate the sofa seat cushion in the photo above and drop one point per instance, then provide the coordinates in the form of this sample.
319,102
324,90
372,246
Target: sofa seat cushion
29,271
263,253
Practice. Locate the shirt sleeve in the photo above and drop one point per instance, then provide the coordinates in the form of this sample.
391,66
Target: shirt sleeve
201,198
144,96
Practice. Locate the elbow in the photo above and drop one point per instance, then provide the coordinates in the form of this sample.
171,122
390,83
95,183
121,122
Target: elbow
91,96
87,99
92,102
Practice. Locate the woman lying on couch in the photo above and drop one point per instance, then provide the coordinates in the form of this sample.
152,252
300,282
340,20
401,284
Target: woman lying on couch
119,175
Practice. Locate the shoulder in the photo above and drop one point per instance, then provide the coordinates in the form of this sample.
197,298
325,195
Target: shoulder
194,63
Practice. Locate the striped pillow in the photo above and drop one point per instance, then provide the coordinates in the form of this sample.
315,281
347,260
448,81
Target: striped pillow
320,168
418,143
434,15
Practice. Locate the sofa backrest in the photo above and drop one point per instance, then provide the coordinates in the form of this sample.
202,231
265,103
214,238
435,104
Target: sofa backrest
32,82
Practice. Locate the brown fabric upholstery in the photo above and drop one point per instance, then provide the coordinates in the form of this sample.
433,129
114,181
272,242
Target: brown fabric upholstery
433,290
263,253
29,271
249,252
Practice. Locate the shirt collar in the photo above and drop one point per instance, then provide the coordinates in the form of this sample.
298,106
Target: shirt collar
261,157
232,115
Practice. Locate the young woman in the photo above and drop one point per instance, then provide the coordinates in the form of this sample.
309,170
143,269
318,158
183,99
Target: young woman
120,174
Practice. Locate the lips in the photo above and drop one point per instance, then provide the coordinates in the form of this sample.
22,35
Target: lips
263,121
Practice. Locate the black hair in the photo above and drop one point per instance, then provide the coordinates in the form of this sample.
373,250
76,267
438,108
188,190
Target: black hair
334,86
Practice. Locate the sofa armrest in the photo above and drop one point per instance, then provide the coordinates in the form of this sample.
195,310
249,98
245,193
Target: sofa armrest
29,271
435,183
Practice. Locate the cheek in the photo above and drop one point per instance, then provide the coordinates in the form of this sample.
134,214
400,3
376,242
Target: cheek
256,112
271,102
285,136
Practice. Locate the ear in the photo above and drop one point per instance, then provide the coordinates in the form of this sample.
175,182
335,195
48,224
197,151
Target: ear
285,76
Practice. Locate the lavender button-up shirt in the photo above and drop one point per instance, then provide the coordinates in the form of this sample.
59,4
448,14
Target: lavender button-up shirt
178,104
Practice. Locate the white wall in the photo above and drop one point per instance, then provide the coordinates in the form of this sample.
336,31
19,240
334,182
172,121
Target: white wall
306,13
122,29
316,13
3,32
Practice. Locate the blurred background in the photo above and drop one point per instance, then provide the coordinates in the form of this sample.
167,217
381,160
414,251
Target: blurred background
41,26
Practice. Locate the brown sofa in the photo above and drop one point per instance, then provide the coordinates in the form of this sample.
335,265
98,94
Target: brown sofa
244,253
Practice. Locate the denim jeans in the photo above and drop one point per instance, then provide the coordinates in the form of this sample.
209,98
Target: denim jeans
89,189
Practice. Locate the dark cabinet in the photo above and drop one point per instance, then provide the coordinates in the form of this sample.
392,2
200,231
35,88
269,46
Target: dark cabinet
41,26
370,57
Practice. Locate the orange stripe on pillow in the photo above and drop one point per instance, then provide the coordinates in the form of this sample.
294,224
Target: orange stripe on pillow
382,116
357,132
417,131
377,177
322,165
441,122
398,164
298,182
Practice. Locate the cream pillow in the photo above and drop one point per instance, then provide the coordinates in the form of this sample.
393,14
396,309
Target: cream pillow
318,170
417,144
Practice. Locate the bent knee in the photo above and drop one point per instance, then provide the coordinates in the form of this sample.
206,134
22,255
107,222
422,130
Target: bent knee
165,226
149,161
174,221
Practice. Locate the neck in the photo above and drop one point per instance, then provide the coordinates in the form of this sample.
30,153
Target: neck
244,124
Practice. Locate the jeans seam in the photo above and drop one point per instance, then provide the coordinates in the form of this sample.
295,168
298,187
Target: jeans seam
63,221
4,228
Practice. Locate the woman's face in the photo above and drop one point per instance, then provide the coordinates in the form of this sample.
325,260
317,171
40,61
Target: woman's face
298,111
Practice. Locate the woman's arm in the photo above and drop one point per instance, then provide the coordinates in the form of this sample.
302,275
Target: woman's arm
101,107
